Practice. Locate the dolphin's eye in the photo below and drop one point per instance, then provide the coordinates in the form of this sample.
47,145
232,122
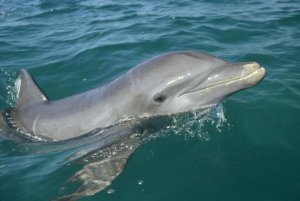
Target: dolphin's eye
159,98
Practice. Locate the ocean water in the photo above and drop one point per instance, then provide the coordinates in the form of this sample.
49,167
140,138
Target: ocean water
247,148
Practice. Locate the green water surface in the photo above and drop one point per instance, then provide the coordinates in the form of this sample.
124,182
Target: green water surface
73,46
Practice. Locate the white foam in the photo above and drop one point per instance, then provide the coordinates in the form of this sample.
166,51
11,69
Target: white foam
10,86
192,124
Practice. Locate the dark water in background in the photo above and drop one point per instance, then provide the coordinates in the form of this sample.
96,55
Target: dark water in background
73,46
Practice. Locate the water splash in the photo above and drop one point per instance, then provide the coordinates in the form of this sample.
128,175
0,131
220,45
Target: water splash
111,191
192,124
9,87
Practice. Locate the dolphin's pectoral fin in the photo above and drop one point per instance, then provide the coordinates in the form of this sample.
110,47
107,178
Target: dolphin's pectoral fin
29,91
97,175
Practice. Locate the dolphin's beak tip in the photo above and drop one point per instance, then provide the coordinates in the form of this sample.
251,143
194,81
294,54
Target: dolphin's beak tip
257,76
252,66
263,72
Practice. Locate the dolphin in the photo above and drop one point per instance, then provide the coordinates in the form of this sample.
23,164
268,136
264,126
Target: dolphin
171,83
167,84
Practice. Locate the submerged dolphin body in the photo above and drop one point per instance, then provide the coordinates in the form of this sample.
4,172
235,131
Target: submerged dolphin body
167,84
171,83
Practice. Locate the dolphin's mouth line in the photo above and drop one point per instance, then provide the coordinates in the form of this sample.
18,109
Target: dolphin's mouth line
259,73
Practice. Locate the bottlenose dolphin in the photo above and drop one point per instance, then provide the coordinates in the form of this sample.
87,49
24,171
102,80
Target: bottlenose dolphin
171,83
167,84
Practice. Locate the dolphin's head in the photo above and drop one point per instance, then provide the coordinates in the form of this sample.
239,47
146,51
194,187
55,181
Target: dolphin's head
183,81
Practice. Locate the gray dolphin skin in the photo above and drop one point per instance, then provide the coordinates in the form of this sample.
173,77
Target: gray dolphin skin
167,84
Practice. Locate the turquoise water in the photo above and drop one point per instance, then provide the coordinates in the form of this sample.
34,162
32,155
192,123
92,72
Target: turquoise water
252,153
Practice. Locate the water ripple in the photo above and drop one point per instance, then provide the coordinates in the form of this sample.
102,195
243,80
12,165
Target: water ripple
70,46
